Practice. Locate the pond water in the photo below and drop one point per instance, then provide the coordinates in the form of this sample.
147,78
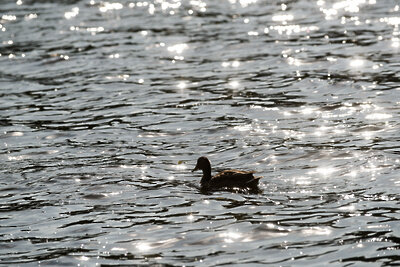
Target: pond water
106,106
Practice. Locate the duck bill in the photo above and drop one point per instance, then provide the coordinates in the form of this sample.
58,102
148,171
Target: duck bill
195,169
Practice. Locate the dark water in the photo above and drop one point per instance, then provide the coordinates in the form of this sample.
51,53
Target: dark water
105,107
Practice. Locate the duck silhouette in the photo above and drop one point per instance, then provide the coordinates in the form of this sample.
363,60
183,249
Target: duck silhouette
225,179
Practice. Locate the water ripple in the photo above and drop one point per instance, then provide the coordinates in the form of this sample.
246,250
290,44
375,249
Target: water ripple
105,106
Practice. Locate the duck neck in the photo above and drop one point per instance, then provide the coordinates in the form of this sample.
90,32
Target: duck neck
206,176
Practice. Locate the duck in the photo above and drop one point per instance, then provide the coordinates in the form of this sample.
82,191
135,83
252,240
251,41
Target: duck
225,179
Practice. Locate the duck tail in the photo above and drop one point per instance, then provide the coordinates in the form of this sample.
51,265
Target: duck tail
254,182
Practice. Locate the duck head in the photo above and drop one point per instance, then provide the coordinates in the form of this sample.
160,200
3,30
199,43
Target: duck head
202,164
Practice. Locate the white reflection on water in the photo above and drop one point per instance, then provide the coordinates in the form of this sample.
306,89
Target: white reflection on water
152,9
15,133
114,55
178,48
317,231
234,64
357,63
112,194
234,84
395,42
123,77
352,174
143,246
331,59
91,30
290,29
17,157
106,6
324,171
180,166
31,16
321,131
182,85
71,14
83,258
350,6
308,110
230,237
394,21
243,3
348,208
293,134
302,180
294,61
243,128
118,249
9,17
282,17
128,166
378,116
252,33
199,5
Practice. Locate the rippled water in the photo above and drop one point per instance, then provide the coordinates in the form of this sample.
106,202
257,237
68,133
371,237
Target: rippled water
105,107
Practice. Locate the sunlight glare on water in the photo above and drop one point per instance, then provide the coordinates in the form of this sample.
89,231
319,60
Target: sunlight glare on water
356,63
107,105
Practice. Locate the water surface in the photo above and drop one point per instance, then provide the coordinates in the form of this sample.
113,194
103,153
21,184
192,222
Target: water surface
105,107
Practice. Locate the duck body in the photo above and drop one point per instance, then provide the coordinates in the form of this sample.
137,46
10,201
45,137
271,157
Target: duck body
225,179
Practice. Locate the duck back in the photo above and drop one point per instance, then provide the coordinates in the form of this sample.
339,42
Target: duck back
234,178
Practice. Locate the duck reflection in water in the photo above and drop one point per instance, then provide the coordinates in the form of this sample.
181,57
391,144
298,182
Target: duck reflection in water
229,179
